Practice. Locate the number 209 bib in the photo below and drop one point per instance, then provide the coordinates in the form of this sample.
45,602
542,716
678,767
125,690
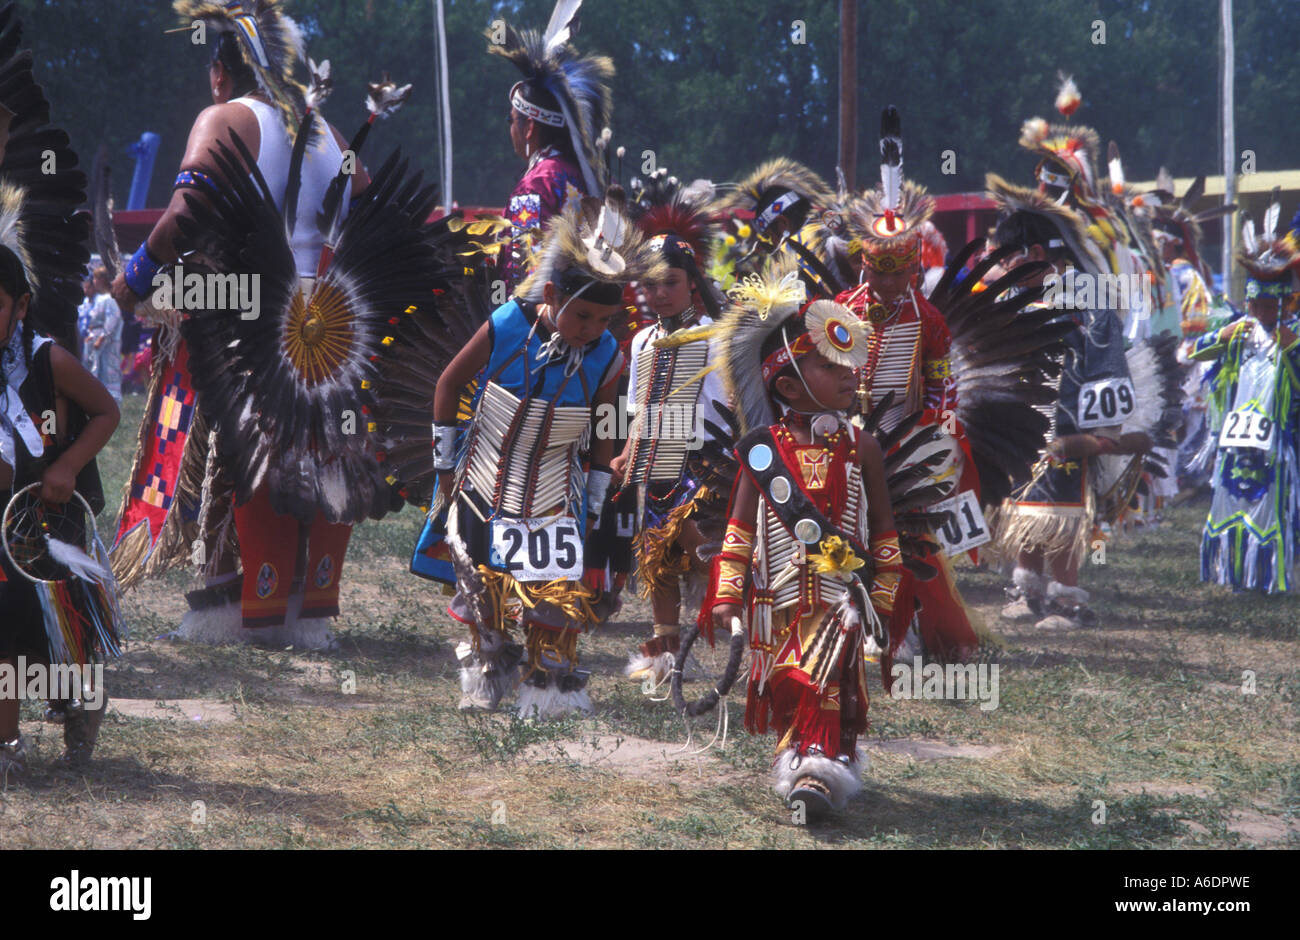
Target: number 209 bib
1106,402
538,549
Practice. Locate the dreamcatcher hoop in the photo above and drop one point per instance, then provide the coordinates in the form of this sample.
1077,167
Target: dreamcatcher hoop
11,519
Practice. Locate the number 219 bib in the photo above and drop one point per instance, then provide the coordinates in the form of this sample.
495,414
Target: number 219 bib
1246,427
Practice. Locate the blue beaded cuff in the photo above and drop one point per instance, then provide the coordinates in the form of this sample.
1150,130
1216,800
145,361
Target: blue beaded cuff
139,271
195,179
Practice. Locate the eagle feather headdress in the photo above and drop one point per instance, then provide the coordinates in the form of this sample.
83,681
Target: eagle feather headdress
1264,254
580,84
271,43
599,240
780,174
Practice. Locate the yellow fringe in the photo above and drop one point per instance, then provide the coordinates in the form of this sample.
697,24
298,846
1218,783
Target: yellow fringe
560,644
653,546
571,597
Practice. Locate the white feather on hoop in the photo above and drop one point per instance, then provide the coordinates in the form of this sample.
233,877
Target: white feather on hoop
78,562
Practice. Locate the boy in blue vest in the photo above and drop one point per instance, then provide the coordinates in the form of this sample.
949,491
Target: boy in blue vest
528,472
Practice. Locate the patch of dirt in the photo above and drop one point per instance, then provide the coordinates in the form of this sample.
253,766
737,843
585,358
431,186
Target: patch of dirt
922,749
1225,688
200,710
632,756
1092,692
1163,789
1257,829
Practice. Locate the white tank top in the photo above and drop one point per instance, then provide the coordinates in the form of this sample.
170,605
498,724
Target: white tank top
320,165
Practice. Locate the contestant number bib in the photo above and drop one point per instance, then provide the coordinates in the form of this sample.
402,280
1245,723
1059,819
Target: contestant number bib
1247,428
965,528
538,549
1106,402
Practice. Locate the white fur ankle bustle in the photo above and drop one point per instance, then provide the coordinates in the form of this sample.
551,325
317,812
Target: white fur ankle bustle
309,633
550,702
1029,583
478,690
1071,595
656,668
219,626
303,633
843,780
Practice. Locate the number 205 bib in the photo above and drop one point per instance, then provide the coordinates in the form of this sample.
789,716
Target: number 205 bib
538,549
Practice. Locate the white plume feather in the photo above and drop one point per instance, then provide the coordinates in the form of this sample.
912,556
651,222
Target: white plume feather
1270,221
558,30
77,561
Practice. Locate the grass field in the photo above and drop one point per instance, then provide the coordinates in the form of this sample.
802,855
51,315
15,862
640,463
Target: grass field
1141,721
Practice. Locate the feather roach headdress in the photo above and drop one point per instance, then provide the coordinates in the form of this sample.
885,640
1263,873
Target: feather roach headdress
1067,222
38,210
662,204
779,187
680,222
593,248
1270,259
1173,216
270,42
1070,153
886,225
561,88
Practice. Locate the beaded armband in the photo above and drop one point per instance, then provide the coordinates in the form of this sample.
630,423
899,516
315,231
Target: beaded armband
194,179
888,559
733,562
139,271
938,369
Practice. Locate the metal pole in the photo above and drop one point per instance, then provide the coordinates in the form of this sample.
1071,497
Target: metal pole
848,158
1229,150
446,107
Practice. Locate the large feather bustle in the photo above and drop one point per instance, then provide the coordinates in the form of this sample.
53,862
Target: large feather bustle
303,432
781,172
1157,381
564,246
40,209
1005,344
580,83
281,38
